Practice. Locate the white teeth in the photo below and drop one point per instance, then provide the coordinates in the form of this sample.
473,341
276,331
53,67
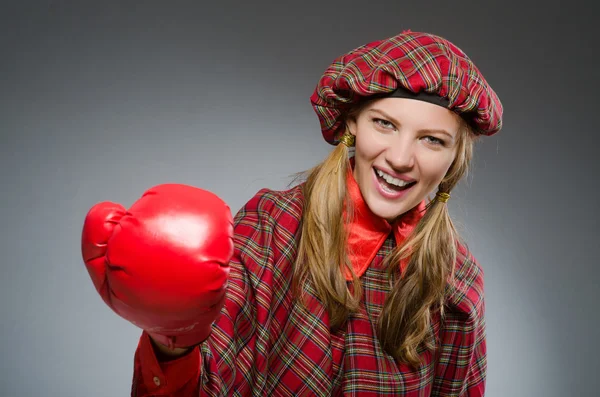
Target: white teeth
391,180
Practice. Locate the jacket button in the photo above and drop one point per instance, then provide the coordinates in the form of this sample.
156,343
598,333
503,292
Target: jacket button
156,381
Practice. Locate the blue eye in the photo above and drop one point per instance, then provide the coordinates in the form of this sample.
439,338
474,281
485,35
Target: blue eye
383,123
435,141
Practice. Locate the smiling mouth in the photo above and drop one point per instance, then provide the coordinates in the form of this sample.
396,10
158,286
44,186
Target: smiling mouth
391,184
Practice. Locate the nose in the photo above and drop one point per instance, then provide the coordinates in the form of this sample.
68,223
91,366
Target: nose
400,154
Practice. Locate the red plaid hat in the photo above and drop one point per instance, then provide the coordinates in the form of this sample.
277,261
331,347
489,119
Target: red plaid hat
417,62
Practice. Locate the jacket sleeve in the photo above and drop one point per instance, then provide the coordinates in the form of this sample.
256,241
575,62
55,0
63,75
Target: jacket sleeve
462,357
477,371
235,355
172,378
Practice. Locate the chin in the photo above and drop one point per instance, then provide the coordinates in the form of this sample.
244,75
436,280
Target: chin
387,211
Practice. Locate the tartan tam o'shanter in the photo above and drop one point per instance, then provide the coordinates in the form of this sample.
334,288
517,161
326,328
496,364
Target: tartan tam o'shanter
417,62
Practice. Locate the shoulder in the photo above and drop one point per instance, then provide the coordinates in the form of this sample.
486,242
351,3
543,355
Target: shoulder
265,234
269,205
269,216
465,292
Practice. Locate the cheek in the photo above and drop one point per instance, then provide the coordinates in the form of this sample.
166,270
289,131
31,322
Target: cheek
368,147
435,168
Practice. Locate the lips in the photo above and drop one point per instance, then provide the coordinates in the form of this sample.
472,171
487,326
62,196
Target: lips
394,175
389,191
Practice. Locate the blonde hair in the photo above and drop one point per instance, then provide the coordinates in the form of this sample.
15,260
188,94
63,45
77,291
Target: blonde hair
404,322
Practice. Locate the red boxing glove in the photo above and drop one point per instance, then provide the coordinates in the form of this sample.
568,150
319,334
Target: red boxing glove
162,265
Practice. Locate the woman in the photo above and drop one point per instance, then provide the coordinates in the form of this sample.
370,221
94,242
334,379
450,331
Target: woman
350,283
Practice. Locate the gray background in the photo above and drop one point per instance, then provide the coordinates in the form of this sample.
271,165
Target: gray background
101,101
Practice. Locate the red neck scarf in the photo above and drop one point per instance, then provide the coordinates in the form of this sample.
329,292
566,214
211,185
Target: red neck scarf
367,232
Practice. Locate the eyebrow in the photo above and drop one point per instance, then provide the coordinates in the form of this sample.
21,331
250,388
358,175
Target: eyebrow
426,130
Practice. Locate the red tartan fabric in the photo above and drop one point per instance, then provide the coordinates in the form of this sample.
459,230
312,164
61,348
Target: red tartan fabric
265,344
414,61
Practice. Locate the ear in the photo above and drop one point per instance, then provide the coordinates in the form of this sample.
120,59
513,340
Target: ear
351,125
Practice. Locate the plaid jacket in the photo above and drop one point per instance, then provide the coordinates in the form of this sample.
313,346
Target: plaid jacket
264,344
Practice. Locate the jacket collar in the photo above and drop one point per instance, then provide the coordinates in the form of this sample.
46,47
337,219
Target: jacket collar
367,231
